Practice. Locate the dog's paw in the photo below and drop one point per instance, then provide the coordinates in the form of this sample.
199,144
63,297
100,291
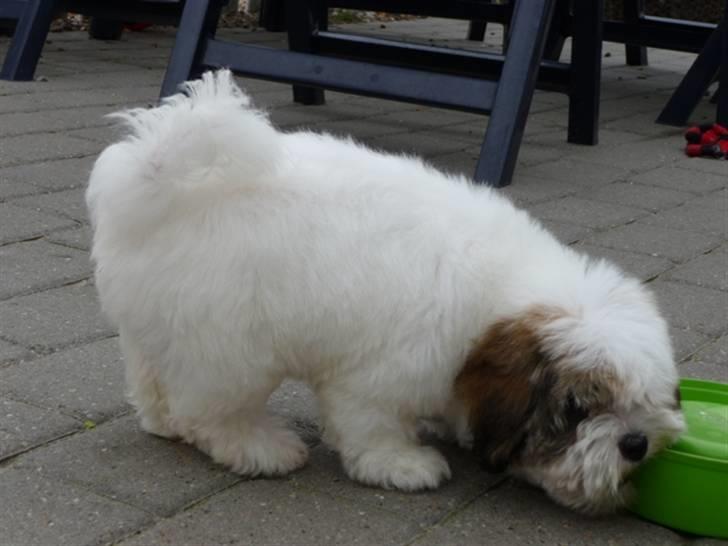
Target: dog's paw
410,469
265,451
280,453
157,426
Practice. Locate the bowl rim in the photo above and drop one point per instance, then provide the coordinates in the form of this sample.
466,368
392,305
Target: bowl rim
680,456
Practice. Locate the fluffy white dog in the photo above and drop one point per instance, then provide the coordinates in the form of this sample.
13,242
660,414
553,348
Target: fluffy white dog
232,256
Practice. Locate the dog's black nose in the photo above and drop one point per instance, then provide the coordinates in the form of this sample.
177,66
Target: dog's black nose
633,446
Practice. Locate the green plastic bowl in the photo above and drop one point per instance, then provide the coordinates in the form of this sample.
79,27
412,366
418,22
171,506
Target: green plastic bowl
686,485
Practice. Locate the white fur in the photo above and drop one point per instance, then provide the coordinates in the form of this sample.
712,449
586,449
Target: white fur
231,256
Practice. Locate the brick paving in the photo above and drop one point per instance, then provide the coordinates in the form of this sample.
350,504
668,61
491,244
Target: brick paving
75,468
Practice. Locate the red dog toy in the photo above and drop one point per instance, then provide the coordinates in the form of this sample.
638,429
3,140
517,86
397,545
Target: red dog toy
707,141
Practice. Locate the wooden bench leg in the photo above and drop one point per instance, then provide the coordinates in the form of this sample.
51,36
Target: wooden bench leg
476,30
633,12
698,78
27,43
586,68
529,25
303,19
556,37
722,116
198,23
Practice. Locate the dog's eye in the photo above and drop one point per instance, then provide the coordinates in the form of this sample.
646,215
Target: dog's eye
574,413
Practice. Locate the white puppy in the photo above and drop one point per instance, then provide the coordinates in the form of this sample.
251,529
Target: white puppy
232,256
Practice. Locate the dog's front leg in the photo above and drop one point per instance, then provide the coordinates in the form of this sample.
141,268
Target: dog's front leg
377,445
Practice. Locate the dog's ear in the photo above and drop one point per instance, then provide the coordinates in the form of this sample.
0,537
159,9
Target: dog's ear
505,376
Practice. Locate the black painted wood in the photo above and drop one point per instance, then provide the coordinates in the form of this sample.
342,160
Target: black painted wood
529,25
355,77
633,11
12,9
693,86
318,59
303,19
586,67
197,25
34,19
722,114
27,43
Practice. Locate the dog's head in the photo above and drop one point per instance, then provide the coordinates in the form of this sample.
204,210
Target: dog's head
572,398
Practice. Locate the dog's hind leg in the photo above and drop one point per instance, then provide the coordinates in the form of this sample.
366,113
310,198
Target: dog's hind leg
229,422
377,445
144,390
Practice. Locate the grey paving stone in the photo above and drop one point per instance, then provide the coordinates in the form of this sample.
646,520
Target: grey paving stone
119,461
8,87
21,224
338,106
41,147
103,135
686,342
557,138
422,118
710,270
295,402
23,425
40,511
528,189
692,218
581,174
677,178
114,98
54,120
36,265
87,66
715,353
713,200
54,318
425,143
623,107
11,188
86,382
324,473
641,124
83,82
458,163
642,266
79,238
10,352
656,241
692,307
518,514
358,129
67,203
52,175
530,155
568,233
283,514
702,166
648,155
592,214
704,370
641,196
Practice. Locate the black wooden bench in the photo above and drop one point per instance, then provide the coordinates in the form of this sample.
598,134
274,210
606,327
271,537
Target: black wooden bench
499,85
34,20
710,65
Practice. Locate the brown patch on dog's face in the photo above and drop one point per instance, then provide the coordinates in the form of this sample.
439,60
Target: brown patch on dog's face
523,407
504,378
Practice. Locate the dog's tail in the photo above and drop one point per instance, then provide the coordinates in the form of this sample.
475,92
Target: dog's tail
207,135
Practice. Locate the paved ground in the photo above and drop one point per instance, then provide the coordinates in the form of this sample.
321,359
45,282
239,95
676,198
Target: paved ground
75,469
